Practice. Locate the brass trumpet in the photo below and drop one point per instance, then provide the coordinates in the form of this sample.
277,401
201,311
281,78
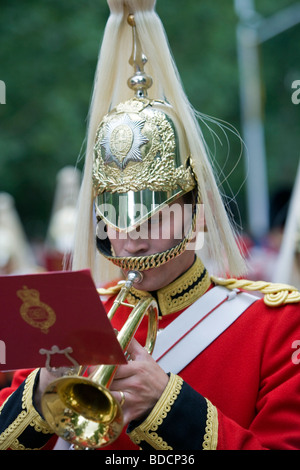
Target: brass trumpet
81,410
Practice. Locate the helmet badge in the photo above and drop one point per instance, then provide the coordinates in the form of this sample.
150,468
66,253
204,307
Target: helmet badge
122,141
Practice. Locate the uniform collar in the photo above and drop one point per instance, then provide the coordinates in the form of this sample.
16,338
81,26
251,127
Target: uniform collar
181,293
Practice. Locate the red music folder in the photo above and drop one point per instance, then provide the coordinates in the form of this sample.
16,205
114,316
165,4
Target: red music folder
57,316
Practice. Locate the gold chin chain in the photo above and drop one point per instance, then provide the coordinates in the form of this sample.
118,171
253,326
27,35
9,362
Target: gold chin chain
143,263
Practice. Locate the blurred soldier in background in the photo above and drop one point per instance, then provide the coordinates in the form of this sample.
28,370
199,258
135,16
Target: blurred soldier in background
60,236
16,256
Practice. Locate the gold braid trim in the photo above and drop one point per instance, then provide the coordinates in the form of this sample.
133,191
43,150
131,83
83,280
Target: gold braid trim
147,431
28,417
110,290
185,290
210,440
275,294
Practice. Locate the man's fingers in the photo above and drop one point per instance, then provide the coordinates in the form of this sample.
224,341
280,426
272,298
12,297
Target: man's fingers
135,351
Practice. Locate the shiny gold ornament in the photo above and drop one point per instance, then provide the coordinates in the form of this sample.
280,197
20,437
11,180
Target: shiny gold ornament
135,150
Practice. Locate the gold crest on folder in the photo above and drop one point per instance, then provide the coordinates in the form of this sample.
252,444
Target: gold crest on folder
33,311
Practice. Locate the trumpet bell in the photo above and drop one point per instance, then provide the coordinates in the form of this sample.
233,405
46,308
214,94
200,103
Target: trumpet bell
82,412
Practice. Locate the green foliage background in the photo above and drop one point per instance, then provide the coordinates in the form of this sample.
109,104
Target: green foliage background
48,54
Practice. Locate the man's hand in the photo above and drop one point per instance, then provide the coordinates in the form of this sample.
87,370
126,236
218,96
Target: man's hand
142,382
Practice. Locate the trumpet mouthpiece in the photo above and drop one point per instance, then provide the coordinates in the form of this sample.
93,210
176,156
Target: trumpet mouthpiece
135,277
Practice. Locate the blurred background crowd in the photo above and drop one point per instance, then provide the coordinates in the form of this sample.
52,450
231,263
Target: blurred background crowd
239,62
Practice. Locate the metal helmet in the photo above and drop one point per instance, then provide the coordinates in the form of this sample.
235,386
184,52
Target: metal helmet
141,161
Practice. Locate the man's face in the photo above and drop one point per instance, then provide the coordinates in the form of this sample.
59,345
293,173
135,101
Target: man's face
161,232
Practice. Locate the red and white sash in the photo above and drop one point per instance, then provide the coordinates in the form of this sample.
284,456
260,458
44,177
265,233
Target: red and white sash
198,326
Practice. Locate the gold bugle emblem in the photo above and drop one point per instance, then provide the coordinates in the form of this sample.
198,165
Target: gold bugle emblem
33,311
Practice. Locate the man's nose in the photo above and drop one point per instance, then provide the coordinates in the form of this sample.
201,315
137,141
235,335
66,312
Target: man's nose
136,243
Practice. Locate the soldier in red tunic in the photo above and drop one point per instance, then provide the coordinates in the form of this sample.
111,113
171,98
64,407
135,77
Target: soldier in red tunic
224,373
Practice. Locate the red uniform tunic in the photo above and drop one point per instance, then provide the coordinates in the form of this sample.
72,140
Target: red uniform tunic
250,375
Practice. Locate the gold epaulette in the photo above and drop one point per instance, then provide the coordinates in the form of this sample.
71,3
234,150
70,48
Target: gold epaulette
274,294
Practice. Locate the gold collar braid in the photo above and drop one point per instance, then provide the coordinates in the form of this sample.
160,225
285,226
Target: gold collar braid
181,293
